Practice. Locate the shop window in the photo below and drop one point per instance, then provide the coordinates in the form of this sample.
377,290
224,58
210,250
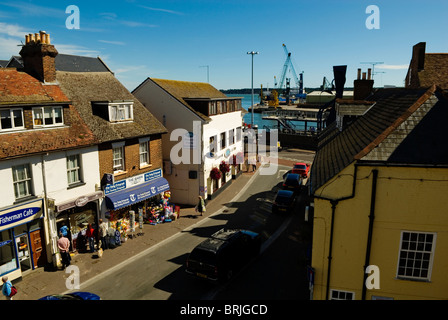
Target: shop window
144,153
118,159
74,169
22,181
8,260
48,116
11,119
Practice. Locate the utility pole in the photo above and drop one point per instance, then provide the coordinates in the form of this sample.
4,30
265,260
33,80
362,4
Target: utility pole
252,53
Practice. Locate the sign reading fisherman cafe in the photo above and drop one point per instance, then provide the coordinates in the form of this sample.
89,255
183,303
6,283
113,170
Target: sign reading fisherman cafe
21,214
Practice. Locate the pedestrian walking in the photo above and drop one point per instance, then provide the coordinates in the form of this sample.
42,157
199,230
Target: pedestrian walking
7,289
64,247
200,207
103,227
90,237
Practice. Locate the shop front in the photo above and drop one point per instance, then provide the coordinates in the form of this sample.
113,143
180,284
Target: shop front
139,195
76,214
22,238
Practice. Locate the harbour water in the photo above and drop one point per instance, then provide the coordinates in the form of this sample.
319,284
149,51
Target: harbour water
258,120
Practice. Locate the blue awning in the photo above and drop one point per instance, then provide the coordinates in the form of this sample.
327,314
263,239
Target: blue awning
136,194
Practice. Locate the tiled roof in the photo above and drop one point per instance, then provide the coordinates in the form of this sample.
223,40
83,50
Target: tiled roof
69,63
85,88
392,108
20,88
185,89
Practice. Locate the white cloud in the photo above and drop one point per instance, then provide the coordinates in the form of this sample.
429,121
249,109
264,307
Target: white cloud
392,66
76,50
29,9
162,10
118,43
13,30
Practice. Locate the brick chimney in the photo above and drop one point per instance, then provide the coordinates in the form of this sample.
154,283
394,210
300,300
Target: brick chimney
38,56
363,87
417,64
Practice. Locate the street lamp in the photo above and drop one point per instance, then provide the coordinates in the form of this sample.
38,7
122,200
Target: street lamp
252,53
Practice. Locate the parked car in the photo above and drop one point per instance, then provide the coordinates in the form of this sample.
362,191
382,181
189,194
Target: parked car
293,181
224,253
72,296
301,168
284,201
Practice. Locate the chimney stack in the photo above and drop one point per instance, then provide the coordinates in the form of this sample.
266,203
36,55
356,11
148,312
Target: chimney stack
38,56
363,87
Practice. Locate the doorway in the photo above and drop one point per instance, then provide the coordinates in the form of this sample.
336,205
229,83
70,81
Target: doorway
23,251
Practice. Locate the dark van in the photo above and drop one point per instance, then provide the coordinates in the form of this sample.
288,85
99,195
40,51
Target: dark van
225,252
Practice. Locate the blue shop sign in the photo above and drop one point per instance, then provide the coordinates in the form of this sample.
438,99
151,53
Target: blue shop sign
20,214
133,181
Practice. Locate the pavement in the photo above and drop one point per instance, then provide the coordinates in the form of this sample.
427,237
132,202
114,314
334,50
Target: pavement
41,282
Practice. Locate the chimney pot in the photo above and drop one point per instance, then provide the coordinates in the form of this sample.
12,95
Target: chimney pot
369,74
359,73
363,76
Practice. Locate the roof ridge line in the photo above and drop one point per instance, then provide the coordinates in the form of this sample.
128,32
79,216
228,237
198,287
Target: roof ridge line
381,137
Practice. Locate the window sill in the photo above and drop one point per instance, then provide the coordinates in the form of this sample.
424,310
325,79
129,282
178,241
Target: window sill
75,185
412,279
119,173
24,199
145,166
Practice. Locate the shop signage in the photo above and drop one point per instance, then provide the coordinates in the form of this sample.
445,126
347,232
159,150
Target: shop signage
133,181
79,202
134,195
4,243
20,214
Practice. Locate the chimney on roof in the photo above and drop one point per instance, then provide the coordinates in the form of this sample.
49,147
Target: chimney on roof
38,55
362,88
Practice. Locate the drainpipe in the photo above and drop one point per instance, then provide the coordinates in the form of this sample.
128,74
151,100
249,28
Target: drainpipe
369,236
334,203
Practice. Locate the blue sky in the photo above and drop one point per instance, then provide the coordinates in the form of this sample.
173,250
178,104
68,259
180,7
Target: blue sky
174,39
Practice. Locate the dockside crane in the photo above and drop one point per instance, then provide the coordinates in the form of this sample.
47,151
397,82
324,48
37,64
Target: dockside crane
288,64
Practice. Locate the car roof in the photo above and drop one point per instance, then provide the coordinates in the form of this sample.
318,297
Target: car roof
285,193
300,163
292,176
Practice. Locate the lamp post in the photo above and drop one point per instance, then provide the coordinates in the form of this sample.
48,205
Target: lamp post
252,53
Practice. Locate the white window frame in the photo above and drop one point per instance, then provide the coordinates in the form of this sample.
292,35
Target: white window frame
239,133
114,111
53,115
415,255
27,181
146,154
121,168
341,294
11,116
77,168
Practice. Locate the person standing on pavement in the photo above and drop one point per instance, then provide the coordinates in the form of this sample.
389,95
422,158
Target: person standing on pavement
64,247
6,288
66,233
200,207
102,230
90,237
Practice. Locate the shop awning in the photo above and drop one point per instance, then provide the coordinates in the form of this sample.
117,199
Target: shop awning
136,194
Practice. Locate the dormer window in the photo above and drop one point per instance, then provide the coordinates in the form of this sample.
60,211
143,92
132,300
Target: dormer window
114,111
120,112
11,119
48,116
